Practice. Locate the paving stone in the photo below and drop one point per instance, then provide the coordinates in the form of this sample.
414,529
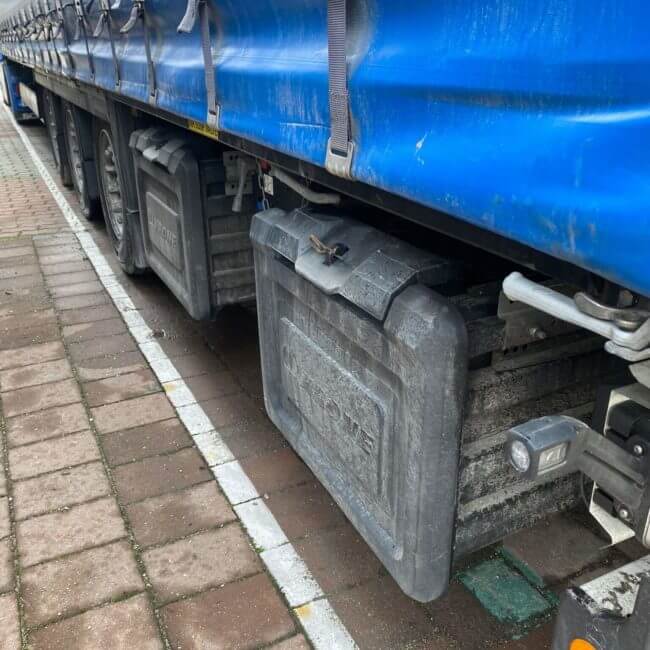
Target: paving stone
276,470
81,302
216,384
9,624
127,625
72,584
54,270
38,398
22,260
35,318
30,336
26,305
40,373
252,439
21,282
88,315
59,533
93,330
110,366
192,365
246,614
141,442
6,566
63,279
132,413
17,251
66,487
538,639
31,354
115,389
378,615
62,257
232,410
168,517
51,423
458,615
568,548
101,347
338,558
52,455
188,566
5,523
305,509
160,474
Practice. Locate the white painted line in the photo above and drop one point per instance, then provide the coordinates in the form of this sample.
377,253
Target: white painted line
214,449
164,369
261,525
291,574
321,624
141,333
235,483
179,393
195,419
152,349
134,319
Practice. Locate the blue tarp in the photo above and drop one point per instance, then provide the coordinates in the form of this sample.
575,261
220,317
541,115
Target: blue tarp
530,118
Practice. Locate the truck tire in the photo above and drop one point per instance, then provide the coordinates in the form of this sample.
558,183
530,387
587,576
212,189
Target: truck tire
54,123
111,183
79,152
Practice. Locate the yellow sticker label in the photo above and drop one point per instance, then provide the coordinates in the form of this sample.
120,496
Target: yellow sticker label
203,129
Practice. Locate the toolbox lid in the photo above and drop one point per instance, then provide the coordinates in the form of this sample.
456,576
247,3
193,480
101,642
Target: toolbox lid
340,256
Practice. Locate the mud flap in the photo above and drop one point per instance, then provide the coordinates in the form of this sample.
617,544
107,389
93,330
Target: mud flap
192,239
364,370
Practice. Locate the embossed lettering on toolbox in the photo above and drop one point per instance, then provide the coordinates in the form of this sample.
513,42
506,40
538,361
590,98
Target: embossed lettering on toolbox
350,418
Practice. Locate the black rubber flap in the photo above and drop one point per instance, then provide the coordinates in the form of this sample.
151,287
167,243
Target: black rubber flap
173,225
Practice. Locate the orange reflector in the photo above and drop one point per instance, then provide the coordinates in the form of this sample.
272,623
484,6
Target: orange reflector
581,644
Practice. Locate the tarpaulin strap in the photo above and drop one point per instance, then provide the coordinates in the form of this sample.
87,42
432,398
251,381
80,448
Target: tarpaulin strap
138,11
61,7
106,20
201,9
81,27
31,55
339,146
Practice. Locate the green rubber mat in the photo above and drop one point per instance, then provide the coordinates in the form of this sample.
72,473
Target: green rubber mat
509,590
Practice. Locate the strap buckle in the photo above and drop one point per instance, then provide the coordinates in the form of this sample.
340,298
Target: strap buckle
337,163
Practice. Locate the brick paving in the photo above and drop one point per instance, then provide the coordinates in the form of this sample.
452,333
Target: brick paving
113,531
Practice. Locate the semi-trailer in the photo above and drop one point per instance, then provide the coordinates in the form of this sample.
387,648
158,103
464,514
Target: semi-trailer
441,213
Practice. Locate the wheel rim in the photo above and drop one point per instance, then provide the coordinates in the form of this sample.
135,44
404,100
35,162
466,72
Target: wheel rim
110,179
52,129
76,159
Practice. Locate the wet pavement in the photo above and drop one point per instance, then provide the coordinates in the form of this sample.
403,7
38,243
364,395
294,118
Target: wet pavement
113,530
